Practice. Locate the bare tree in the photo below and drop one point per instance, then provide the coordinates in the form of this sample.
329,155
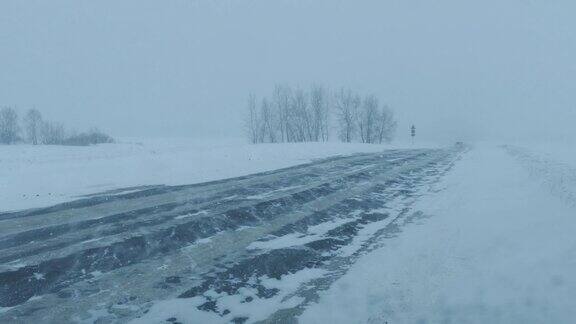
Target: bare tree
386,125
252,122
32,125
8,126
325,117
347,104
319,113
281,98
267,122
299,119
52,133
296,115
368,119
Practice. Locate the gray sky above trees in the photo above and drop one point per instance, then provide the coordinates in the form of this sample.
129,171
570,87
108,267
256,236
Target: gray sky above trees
458,69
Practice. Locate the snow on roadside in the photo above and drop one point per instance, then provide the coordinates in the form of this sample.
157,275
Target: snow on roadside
498,248
36,176
558,176
560,152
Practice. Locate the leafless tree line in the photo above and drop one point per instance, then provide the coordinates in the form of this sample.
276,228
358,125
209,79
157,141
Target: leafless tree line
290,115
35,130
297,115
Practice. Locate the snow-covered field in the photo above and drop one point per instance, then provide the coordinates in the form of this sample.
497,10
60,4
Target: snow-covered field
499,247
37,176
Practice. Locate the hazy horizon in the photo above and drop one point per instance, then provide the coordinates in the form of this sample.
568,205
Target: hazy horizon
459,70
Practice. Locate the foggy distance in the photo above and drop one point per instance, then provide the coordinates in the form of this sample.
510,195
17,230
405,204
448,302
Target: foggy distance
289,161
474,70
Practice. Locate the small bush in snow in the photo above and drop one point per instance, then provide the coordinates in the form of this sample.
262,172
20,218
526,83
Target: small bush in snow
91,137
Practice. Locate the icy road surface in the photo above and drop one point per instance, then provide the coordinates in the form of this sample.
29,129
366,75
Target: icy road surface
255,248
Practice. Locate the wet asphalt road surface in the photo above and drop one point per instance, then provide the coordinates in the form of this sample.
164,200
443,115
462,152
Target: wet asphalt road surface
109,258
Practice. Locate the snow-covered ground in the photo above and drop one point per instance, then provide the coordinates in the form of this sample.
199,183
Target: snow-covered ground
560,152
497,243
37,176
499,247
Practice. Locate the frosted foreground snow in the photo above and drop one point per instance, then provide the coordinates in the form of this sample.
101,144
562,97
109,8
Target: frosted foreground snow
38,176
499,247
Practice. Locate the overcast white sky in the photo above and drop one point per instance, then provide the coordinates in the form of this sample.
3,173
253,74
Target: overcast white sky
458,69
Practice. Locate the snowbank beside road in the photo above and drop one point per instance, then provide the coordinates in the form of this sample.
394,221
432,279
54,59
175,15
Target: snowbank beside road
555,169
36,176
564,153
498,248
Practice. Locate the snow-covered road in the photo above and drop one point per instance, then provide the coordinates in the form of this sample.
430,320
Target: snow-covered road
251,248
498,246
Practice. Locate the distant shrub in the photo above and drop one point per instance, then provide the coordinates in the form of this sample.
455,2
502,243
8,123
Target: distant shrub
38,131
88,138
